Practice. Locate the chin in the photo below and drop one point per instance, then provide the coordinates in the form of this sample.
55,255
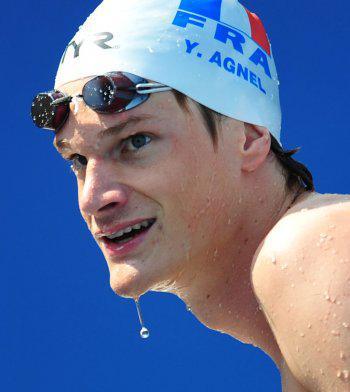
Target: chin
128,282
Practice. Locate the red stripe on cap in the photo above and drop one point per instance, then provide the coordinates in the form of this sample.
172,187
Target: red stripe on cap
259,34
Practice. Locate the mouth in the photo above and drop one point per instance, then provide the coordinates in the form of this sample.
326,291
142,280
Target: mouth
128,239
130,233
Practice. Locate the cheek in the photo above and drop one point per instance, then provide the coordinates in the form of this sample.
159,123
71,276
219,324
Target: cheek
80,186
183,173
186,186
200,192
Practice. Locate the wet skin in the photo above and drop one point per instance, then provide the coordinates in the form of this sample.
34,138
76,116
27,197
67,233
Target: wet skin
214,209
307,296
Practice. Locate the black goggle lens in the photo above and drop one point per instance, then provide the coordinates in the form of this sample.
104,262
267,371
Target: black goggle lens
109,93
42,112
45,115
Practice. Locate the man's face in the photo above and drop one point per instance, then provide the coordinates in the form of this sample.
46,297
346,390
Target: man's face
161,165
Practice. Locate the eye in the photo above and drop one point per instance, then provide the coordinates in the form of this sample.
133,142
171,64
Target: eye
136,142
78,163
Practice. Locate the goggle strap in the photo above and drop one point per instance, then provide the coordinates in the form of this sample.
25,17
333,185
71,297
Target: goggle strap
149,88
59,101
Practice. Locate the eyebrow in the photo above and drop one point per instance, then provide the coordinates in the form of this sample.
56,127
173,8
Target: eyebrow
63,144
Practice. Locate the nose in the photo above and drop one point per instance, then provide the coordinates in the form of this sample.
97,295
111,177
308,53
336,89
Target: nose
101,191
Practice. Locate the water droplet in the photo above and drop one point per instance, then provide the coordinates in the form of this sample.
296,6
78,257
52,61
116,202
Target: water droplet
322,372
343,374
309,326
284,266
302,334
150,49
75,102
273,259
335,333
342,355
346,325
188,308
144,333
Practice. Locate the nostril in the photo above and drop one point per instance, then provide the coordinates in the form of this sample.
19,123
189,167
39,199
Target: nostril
108,207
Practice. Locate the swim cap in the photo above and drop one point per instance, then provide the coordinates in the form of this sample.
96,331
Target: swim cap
214,51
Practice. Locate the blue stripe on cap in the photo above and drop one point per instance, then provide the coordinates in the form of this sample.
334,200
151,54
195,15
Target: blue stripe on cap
207,8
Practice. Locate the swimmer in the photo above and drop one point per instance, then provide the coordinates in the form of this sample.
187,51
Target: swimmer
169,113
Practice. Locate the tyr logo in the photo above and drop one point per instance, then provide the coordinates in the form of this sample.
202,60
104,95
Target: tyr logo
98,39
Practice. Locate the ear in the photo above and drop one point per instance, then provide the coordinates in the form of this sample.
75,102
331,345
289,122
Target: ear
256,147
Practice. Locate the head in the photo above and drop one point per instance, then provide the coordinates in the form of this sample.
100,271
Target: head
186,169
158,174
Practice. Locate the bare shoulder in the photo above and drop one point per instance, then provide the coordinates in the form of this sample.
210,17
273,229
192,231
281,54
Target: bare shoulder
301,277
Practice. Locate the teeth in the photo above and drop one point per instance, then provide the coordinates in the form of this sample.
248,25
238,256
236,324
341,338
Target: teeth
115,235
145,223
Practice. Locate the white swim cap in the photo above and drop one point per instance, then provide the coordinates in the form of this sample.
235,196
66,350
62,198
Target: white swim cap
214,51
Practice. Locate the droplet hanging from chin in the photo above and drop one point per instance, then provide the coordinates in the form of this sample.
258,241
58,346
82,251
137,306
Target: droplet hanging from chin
144,332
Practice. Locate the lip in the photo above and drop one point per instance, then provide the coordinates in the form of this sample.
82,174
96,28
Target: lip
119,250
114,229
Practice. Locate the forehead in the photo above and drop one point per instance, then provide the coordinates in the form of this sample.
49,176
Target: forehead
74,86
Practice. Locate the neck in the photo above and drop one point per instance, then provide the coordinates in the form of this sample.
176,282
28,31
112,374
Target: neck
217,285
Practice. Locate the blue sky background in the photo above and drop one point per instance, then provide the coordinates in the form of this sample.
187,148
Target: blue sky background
62,328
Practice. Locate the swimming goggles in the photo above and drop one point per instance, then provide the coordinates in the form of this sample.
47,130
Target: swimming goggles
113,92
